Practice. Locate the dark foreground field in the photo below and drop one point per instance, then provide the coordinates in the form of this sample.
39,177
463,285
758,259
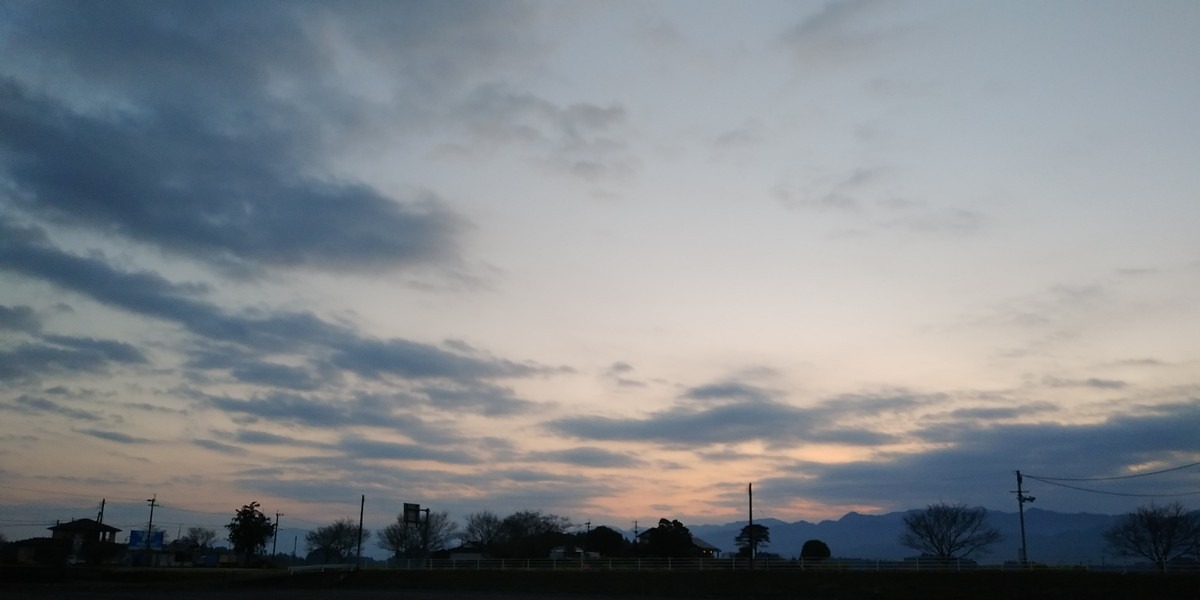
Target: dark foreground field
196,584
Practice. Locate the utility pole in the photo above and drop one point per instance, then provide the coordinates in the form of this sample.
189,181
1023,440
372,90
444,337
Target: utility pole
275,536
1022,498
100,517
361,507
425,533
150,527
750,527
587,532
635,535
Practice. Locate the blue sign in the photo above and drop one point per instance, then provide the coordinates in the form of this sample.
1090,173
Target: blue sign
137,539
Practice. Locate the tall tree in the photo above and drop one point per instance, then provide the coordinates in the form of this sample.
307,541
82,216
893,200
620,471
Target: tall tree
752,538
408,540
335,542
948,531
670,539
1157,533
249,531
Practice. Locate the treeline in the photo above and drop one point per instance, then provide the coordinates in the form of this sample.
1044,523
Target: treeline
1159,533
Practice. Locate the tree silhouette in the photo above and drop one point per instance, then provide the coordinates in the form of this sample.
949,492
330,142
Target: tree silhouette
408,540
335,542
948,531
201,536
670,539
482,528
1157,533
531,534
815,550
751,538
606,541
248,531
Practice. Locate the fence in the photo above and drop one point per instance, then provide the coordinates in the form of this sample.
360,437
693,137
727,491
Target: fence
744,564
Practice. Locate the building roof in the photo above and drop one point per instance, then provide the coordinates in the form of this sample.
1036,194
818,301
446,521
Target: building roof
84,525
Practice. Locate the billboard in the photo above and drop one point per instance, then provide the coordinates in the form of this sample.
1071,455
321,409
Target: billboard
412,513
137,539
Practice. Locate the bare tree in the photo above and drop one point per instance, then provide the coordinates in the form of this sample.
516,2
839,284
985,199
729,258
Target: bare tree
336,540
948,531
201,536
1156,533
483,528
408,540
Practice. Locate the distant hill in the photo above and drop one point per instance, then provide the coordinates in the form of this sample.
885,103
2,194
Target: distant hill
1052,538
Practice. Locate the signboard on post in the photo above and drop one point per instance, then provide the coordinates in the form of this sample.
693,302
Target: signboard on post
137,540
412,513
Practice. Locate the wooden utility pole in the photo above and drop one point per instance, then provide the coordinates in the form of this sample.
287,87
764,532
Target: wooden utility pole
750,527
1022,498
275,536
362,505
150,528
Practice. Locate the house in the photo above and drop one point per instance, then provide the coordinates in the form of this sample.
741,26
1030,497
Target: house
84,530
706,549
89,541
74,542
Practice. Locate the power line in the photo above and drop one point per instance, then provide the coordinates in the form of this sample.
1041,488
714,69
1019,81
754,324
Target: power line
1073,487
1049,479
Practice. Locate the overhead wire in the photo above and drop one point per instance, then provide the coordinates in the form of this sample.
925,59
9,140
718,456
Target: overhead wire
1058,481
1126,494
1115,477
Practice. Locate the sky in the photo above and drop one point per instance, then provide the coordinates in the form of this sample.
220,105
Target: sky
612,260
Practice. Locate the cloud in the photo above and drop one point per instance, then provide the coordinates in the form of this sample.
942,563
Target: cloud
621,373
34,405
27,250
395,413
358,447
732,411
275,375
579,139
973,461
841,32
587,456
1001,413
1091,382
773,422
113,436
65,355
249,436
183,138
223,448
728,390
476,397
374,358
19,318
228,208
